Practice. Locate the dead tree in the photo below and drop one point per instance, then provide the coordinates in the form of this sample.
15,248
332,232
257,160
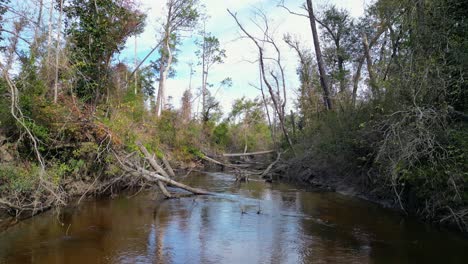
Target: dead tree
278,104
362,59
318,54
157,168
151,176
181,16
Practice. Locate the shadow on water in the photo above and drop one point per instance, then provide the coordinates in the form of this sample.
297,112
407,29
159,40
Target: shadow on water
254,222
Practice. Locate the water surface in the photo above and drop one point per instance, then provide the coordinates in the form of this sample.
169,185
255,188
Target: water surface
253,222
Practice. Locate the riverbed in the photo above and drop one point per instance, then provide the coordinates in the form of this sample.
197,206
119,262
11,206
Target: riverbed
254,222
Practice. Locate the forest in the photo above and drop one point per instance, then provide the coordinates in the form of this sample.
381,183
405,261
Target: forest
380,109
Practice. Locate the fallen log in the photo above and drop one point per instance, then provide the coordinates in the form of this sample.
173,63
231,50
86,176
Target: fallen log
168,167
248,154
156,167
268,169
153,176
218,162
152,161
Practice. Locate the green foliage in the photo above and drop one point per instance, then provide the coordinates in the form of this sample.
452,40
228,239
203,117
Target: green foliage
18,179
108,24
220,134
6,120
403,143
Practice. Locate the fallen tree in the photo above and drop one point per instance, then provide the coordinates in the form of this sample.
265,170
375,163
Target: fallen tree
248,153
139,171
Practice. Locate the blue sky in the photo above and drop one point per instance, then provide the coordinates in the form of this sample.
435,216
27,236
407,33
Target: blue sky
239,51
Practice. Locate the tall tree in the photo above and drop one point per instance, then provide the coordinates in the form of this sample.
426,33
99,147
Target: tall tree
209,54
182,15
337,36
318,54
96,31
276,81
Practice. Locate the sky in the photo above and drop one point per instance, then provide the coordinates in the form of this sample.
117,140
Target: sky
240,51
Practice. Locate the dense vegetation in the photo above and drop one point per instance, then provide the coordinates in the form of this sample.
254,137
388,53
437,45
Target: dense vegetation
381,103
405,138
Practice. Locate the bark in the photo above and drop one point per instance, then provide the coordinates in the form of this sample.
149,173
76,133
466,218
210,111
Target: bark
318,54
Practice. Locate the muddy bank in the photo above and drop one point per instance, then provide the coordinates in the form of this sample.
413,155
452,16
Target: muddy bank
332,177
366,185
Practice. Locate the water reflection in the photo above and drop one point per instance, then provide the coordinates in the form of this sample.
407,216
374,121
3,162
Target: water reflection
282,224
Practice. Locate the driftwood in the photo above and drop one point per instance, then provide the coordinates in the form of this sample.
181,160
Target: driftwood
248,154
205,157
156,167
138,171
268,169
153,176
168,167
152,161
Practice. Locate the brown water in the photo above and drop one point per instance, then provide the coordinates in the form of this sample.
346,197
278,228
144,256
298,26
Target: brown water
293,226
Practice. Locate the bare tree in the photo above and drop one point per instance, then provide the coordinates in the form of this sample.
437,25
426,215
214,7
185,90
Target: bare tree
181,16
279,81
57,52
318,54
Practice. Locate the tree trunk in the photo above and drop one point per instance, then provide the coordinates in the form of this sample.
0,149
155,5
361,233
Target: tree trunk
157,168
57,52
370,70
356,78
276,103
203,77
49,40
164,67
136,65
248,154
318,53
341,71
169,169
153,176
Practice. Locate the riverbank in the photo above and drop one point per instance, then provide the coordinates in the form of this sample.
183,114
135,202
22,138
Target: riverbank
310,172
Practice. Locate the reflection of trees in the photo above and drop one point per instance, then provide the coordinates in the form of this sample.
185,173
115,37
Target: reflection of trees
160,221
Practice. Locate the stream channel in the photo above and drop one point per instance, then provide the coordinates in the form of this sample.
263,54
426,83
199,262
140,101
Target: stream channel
254,222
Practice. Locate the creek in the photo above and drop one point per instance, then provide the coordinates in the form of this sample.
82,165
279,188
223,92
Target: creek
254,222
